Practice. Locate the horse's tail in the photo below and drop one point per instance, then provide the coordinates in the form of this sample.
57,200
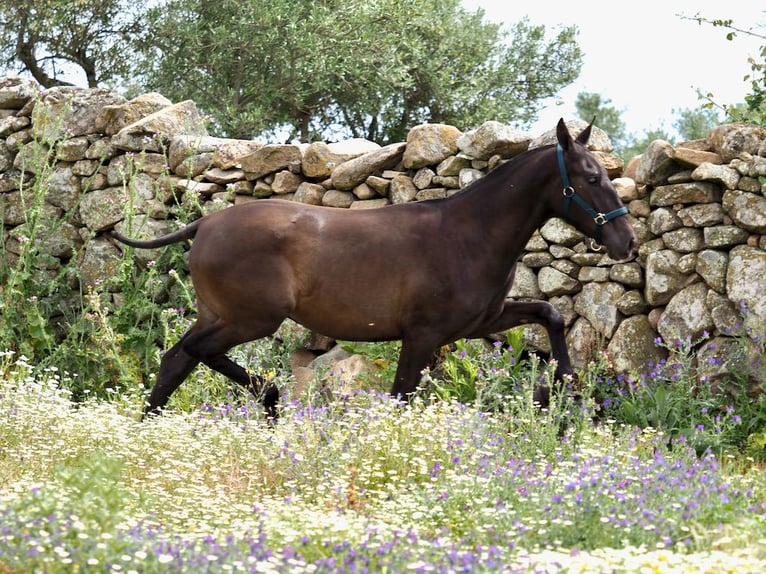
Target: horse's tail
187,232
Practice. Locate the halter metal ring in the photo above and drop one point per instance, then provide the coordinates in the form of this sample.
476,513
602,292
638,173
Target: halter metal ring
600,219
569,191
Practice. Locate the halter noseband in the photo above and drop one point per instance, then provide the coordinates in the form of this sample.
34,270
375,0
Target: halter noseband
569,194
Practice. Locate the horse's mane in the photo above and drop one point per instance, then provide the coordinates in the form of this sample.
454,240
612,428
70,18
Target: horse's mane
501,171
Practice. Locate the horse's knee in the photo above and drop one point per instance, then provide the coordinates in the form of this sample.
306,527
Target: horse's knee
552,317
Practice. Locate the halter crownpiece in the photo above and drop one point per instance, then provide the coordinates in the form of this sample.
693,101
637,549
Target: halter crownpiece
570,194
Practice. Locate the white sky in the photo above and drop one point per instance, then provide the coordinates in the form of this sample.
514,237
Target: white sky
643,56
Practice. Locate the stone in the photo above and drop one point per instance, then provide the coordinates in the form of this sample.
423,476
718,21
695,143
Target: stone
597,302
703,215
269,159
553,282
430,144
583,342
558,231
155,131
370,203
99,264
141,226
731,140
697,192
349,174
335,198
493,138
320,159
746,284
629,274
748,210
598,142
114,117
720,174
626,189
633,346
632,303
662,278
63,112
656,164
684,240
16,92
402,189
712,265
310,193
452,165
103,208
686,314
524,284
695,157
662,220
285,182
423,178
722,236
185,146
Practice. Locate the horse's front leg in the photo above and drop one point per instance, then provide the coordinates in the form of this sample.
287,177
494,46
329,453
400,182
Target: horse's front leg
517,313
414,356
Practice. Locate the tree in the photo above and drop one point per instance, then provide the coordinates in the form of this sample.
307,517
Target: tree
754,110
51,39
589,105
696,123
313,69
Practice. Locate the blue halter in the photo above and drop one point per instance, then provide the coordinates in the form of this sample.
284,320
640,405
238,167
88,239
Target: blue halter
570,194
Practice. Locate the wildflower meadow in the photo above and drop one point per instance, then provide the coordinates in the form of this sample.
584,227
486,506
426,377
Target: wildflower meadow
362,483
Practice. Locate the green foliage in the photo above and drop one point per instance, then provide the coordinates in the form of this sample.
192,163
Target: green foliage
676,399
695,124
109,340
47,36
591,105
370,69
754,109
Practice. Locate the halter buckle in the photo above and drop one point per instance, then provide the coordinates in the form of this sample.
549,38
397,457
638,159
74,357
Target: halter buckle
600,219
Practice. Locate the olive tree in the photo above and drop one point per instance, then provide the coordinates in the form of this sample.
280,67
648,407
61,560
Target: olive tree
369,68
53,39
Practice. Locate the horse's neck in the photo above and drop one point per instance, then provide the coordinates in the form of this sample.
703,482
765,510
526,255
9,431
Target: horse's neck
507,207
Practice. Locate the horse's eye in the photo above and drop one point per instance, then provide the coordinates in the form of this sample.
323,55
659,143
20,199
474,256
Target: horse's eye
593,179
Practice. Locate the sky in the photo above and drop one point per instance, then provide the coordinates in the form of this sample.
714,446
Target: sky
643,56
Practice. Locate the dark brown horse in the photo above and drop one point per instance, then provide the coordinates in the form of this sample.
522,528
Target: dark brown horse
426,273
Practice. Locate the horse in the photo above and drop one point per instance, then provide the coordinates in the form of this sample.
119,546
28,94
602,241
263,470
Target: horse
424,273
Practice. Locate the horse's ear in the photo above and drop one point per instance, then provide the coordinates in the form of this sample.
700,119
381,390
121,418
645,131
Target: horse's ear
585,134
562,134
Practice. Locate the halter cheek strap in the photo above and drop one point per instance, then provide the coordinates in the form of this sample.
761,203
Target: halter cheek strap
570,194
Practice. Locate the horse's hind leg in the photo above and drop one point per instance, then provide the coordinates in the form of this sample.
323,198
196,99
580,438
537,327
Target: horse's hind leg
209,346
175,366
517,313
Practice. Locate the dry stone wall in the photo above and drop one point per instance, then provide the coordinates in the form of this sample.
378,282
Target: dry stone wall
698,208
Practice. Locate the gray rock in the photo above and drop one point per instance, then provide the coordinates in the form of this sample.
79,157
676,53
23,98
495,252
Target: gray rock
686,315
746,284
430,144
597,302
633,346
493,138
348,175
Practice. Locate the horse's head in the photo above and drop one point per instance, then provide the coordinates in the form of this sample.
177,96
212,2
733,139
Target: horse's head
589,200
